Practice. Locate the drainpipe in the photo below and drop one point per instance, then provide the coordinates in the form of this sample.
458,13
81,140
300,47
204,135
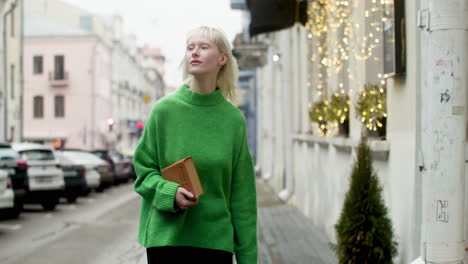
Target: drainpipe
94,128
4,82
287,121
21,73
5,67
444,25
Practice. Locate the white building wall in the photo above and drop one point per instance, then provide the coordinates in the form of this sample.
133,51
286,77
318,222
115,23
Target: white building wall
320,167
129,86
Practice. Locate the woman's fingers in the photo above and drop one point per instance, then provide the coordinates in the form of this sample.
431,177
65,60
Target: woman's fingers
187,194
185,199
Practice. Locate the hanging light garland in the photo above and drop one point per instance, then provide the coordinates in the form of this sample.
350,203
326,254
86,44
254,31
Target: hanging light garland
329,56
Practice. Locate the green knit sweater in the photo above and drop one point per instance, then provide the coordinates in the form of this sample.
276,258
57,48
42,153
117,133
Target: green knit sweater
212,131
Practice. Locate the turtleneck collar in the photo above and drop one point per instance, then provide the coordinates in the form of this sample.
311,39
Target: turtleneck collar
195,98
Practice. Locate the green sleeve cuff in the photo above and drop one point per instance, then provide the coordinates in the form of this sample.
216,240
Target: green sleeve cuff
165,197
246,259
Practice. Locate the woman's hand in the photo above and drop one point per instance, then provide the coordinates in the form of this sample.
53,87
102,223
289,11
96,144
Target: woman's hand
185,199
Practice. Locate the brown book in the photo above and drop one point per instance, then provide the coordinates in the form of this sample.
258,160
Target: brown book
184,173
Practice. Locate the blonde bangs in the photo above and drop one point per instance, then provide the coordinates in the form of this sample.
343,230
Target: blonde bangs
227,76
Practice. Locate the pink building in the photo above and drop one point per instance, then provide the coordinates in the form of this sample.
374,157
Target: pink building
67,85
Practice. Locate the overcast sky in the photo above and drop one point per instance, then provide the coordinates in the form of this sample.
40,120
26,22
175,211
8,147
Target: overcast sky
164,23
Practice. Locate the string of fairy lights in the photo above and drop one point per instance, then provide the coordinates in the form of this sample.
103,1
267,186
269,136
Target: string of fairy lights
333,40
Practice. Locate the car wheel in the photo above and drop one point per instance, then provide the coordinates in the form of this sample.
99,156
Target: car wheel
13,213
86,192
71,198
49,205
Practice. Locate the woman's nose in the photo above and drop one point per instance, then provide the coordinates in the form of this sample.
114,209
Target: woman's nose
195,52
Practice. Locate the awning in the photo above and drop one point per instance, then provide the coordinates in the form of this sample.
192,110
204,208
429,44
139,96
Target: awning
272,15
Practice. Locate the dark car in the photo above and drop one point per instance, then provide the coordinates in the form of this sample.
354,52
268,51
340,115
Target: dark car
131,171
17,169
74,176
120,166
94,165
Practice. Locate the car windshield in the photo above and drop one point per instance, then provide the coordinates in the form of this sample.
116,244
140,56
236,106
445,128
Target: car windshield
7,153
63,159
37,155
100,154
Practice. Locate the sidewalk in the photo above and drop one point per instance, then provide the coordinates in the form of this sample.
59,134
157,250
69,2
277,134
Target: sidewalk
285,235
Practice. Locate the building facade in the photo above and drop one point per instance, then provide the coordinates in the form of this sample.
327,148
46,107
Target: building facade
118,79
310,167
67,85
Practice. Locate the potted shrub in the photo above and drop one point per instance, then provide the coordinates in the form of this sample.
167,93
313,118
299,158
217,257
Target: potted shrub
372,109
320,115
364,230
339,112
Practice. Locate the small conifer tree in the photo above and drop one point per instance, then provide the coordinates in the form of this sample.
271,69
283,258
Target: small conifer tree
364,231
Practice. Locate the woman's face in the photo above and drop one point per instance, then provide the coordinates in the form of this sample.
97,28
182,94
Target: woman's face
203,57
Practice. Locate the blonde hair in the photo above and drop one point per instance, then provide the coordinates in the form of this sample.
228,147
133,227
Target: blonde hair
227,75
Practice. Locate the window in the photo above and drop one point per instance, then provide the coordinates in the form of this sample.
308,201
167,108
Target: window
12,81
7,153
37,64
59,106
37,155
38,106
59,67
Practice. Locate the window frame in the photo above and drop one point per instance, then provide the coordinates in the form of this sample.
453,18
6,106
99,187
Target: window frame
38,110
59,109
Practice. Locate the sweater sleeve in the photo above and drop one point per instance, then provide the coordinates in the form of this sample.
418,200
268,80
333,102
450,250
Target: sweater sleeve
244,206
149,182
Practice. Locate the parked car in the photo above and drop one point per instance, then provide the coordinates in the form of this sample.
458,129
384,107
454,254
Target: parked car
16,168
45,174
75,177
104,169
120,166
93,166
129,156
7,195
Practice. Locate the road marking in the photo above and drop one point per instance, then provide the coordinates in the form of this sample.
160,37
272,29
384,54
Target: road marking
10,227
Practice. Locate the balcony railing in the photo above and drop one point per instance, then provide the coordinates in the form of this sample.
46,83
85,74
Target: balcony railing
59,79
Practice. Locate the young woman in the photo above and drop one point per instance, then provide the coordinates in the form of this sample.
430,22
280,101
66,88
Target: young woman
199,121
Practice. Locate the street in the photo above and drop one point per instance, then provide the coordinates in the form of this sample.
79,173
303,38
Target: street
102,228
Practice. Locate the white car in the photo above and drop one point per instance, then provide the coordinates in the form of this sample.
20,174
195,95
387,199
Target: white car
7,195
45,175
93,178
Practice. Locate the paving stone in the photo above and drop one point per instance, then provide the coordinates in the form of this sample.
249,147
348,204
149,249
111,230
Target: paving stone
286,235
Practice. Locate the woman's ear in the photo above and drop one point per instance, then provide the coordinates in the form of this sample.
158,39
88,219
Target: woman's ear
223,59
